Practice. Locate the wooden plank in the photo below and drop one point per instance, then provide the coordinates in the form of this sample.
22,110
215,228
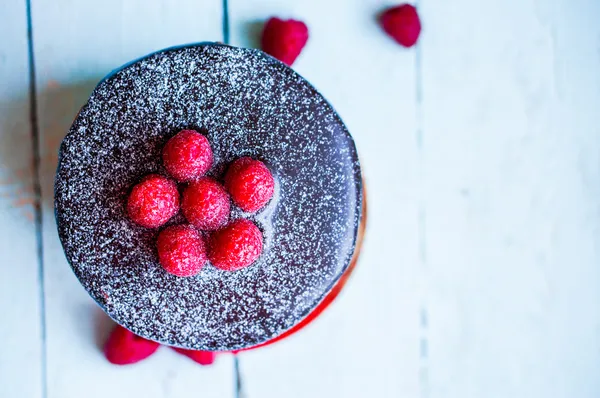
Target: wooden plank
76,44
20,333
367,343
511,94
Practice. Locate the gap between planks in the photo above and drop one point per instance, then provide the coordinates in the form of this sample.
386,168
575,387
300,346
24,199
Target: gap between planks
37,193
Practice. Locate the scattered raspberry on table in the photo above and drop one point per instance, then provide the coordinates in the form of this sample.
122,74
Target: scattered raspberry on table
125,348
284,39
202,357
402,23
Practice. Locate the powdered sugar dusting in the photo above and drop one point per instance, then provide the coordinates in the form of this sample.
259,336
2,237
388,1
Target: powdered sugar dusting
247,104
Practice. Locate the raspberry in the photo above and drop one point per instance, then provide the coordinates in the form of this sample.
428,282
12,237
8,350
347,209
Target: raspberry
284,39
236,246
125,348
153,201
402,24
205,204
187,155
181,250
201,357
249,183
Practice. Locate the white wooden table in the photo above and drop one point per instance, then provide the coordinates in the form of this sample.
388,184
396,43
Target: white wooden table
481,272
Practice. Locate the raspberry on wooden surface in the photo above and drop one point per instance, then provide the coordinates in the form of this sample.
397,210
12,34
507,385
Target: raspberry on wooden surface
402,23
125,348
250,184
284,39
187,155
202,357
181,250
153,201
236,246
206,204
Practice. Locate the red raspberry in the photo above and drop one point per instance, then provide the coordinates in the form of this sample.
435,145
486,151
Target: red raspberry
181,250
206,204
125,348
236,246
284,39
402,24
249,183
187,155
201,357
153,201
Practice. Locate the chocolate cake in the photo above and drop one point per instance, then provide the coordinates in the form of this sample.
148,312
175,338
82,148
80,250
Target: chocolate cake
247,104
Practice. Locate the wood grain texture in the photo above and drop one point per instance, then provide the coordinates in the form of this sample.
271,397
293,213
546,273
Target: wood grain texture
76,44
366,343
20,347
510,111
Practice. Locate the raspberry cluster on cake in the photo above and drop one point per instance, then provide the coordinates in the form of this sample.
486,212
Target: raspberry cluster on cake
182,250
248,106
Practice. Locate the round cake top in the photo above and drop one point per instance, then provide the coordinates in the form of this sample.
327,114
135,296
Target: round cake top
247,104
